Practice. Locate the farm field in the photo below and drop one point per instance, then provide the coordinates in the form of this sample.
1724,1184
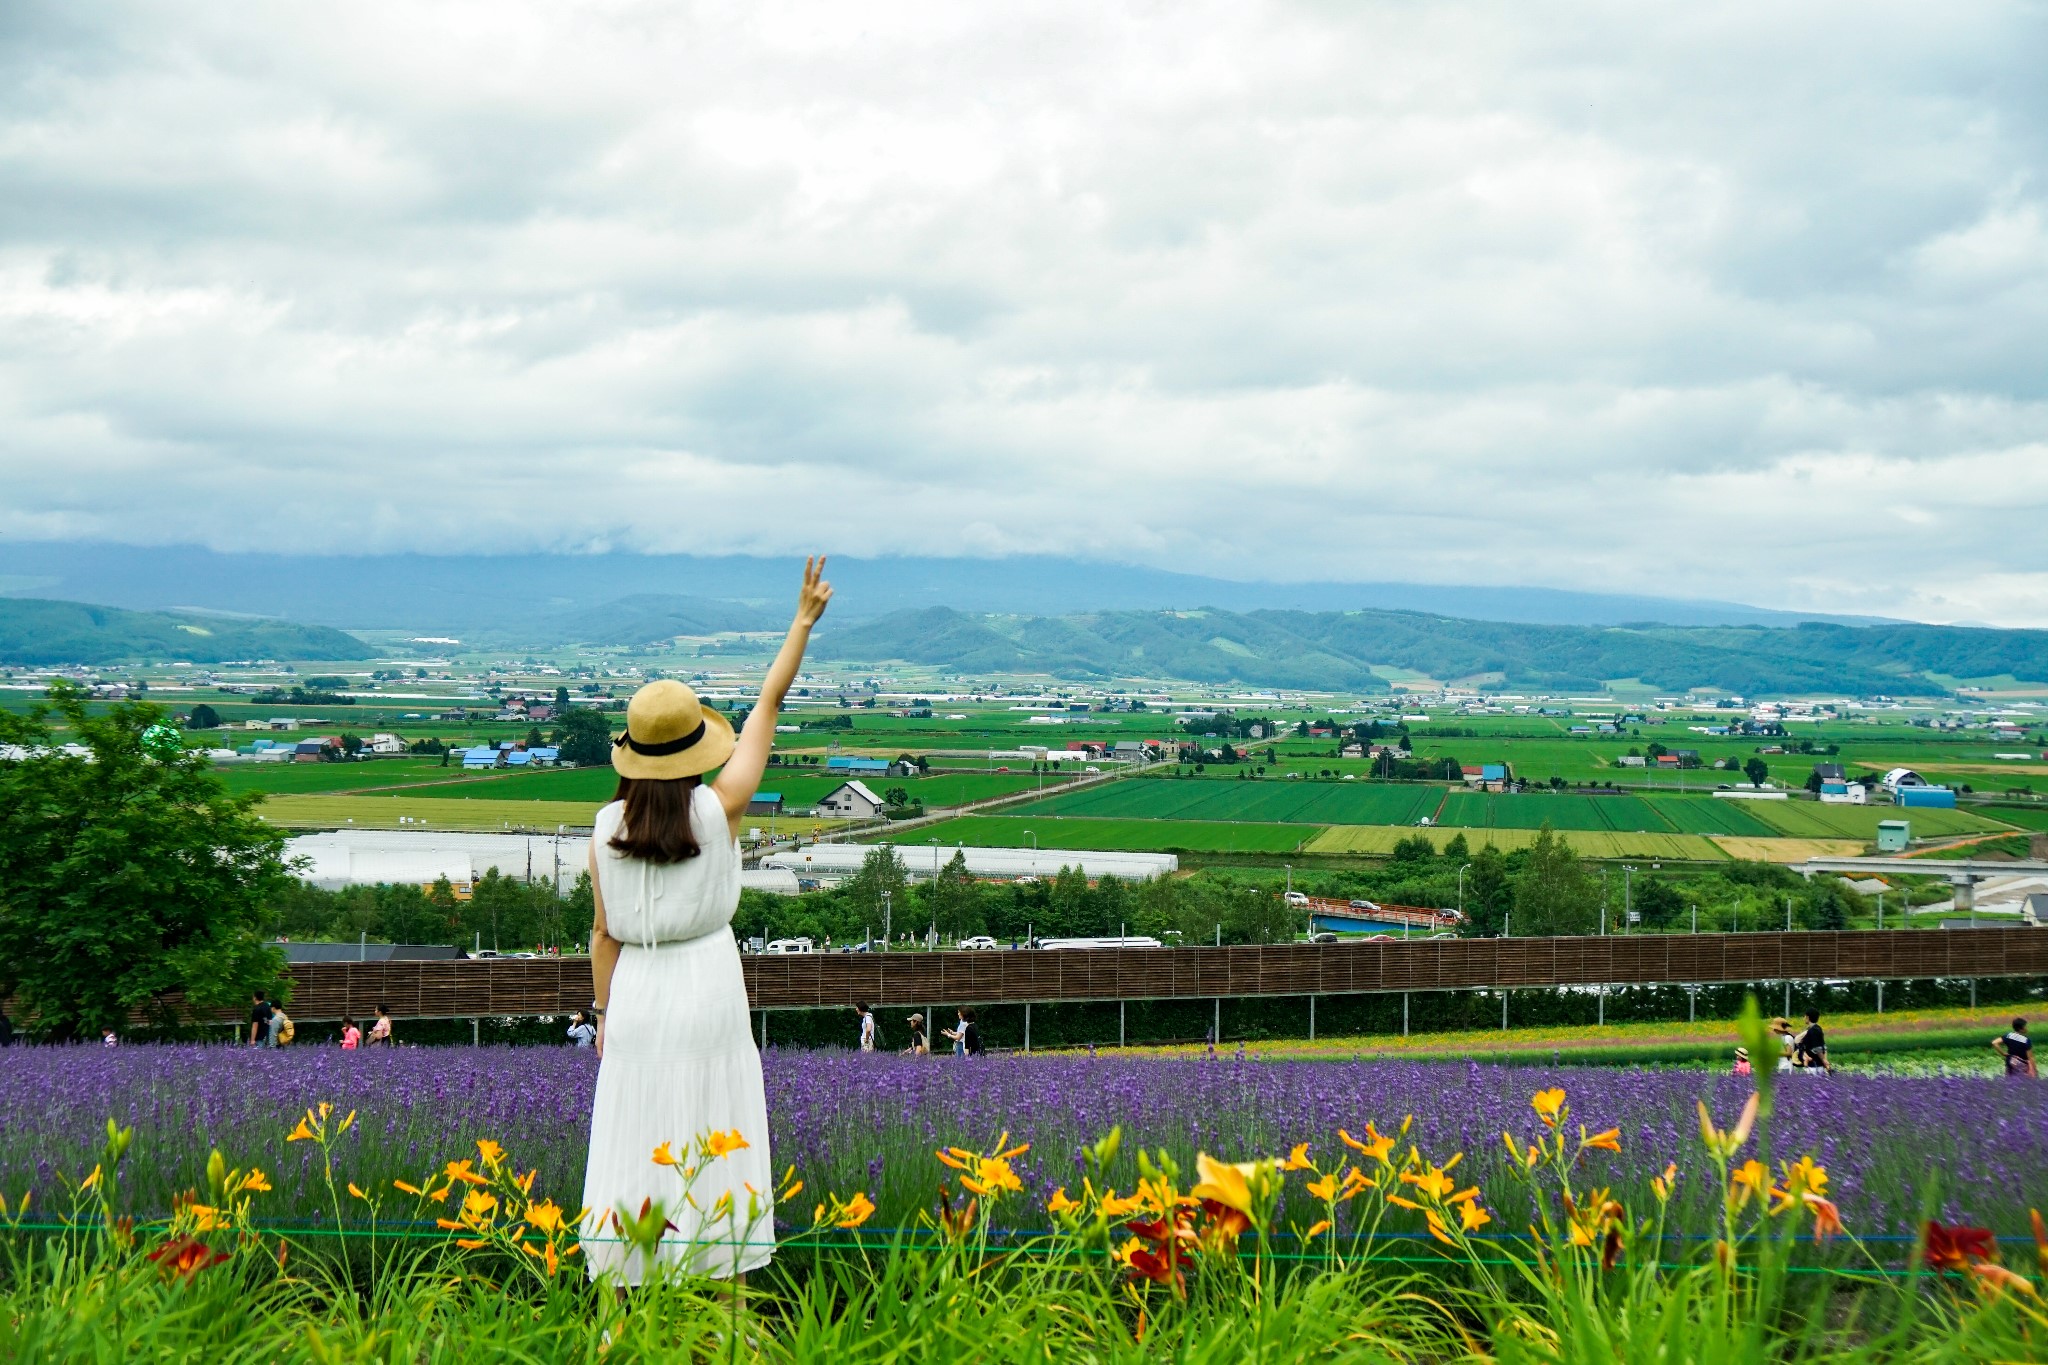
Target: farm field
383,812
1671,815
335,777
1195,836
1788,850
2026,817
1380,839
1265,800
1812,820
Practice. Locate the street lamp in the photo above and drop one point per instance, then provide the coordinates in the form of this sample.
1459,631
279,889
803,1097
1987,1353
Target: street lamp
885,921
1033,838
1461,889
1627,904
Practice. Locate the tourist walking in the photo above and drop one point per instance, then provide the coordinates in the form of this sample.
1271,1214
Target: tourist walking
918,1047
110,1039
1788,1054
676,1055
380,1032
282,1029
582,1032
867,1027
965,1035
351,1036
260,1015
2017,1050
1742,1067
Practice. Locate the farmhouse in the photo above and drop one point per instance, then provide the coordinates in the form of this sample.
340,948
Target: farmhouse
765,803
855,800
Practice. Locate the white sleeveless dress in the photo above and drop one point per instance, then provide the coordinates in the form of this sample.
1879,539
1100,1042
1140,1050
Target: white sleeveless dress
679,1060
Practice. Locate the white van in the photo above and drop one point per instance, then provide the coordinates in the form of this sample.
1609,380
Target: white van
1296,898
789,945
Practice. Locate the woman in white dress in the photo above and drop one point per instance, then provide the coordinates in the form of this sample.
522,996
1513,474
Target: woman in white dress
677,1062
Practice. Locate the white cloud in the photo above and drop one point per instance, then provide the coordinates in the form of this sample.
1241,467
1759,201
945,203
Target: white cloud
1738,302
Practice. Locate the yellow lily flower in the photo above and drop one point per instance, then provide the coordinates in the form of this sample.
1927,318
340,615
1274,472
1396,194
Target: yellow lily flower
1548,1104
491,1152
1609,1141
665,1156
1296,1160
1318,1228
720,1144
1374,1148
856,1211
1059,1203
1726,1144
1225,1182
1473,1216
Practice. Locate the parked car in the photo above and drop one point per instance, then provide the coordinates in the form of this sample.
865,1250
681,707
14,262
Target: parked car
978,943
790,945
1295,898
1325,937
1363,905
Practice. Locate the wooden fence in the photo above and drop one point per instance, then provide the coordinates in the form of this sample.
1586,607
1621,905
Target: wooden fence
532,986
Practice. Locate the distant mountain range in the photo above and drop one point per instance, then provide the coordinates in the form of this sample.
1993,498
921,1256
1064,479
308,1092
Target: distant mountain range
537,598
1339,650
35,631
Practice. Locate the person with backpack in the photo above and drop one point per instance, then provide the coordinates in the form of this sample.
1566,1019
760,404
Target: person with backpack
2017,1050
582,1033
260,1015
282,1029
868,1036
917,1046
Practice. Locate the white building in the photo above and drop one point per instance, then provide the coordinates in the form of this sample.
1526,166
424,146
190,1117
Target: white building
852,800
835,862
1902,777
365,857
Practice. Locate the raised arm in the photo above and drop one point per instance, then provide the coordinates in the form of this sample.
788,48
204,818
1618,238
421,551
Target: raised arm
741,777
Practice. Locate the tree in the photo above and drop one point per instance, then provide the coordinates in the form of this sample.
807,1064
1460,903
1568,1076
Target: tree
351,744
1414,848
203,717
561,698
953,900
1658,902
1554,894
1489,891
880,871
535,739
134,882
586,739
1756,770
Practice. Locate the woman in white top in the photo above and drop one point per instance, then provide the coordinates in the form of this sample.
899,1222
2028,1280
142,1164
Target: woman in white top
676,1056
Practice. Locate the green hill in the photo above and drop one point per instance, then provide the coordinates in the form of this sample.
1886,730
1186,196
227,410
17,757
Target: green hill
1338,650
38,631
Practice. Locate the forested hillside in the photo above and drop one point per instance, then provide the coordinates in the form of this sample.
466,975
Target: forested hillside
38,631
1339,650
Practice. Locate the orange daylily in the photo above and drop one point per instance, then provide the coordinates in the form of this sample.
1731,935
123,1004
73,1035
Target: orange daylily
1726,1144
1060,1203
1376,1147
1548,1104
664,1155
720,1144
856,1211
1296,1160
1609,1141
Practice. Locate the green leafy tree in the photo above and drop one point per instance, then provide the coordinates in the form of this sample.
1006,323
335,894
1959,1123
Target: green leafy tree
203,717
880,871
1067,905
1658,902
1489,891
1457,847
953,900
586,739
579,912
131,883
1756,770
1554,894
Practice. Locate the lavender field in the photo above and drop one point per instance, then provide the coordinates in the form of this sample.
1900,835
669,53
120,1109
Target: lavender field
848,1122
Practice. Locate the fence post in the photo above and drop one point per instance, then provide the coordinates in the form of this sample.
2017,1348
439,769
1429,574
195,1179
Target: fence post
1880,995
1503,1009
1404,1014
1311,1018
1027,1026
476,1033
1600,1019
1216,1029
1120,1023
764,1030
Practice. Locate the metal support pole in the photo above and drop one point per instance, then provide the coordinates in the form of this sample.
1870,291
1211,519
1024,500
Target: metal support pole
1973,992
475,1033
1692,1004
1216,1029
1880,996
764,1030
1601,1018
1788,997
1120,1023
1311,1018
1404,1014
1503,1009
1027,1027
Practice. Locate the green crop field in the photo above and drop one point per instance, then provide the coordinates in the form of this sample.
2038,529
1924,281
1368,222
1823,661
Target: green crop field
334,777
1811,819
1194,836
1266,800
1380,839
2026,817
1626,814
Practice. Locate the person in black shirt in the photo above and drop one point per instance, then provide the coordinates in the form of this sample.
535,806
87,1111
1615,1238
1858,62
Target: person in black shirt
1810,1050
2017,1049
259,1021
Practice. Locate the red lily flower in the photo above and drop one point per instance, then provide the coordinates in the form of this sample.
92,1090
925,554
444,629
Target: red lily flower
186,1256
1956,1248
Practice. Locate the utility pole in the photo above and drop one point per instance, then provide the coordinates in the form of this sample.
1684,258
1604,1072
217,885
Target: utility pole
1627,901
1461,889
885,921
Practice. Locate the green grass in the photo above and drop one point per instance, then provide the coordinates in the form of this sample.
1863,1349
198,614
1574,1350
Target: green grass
2026,817
1380,839
1621,814
1811,819
334,777
1193,836
1264,800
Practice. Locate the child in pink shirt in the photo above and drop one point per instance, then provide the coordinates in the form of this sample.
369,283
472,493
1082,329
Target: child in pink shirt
351,1036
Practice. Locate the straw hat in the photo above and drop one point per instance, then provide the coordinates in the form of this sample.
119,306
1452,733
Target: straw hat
1742,1054
915,1019
669,734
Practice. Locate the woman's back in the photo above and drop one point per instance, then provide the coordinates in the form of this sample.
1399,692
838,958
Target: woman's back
646,902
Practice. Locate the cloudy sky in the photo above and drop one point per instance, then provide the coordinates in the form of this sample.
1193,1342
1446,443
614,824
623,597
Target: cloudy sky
1737,300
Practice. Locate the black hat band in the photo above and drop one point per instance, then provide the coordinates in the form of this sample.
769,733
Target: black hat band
673,746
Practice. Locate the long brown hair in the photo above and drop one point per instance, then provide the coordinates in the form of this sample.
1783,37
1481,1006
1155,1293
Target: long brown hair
656,825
